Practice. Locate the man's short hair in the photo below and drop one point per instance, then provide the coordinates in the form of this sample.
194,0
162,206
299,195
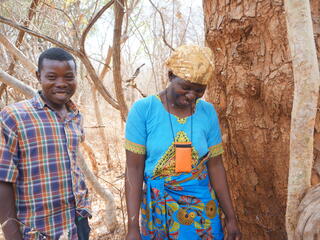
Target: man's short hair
55,54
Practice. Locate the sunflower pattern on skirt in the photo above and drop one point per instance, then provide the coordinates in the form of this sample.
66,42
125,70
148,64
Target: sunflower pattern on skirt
180,207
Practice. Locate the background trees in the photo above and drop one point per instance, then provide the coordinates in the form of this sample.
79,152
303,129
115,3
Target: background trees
120,53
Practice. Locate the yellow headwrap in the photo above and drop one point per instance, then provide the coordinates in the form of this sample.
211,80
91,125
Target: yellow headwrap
192,63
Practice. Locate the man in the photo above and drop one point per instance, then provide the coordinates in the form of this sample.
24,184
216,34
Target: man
42,190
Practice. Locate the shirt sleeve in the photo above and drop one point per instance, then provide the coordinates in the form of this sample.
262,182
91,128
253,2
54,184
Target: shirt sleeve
8,148
136,133
214,134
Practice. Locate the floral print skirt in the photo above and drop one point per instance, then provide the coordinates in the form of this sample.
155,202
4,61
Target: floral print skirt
182,207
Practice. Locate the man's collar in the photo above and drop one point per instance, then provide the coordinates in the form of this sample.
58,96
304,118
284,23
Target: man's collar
39,103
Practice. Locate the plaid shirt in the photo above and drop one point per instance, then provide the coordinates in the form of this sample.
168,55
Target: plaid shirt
38,154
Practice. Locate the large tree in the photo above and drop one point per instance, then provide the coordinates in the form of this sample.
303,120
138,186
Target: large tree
253,93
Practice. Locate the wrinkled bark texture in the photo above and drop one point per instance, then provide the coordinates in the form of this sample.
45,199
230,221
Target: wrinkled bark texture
252,91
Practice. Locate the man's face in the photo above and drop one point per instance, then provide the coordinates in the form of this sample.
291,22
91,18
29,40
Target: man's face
58,81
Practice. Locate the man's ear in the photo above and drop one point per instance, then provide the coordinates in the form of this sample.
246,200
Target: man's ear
38,75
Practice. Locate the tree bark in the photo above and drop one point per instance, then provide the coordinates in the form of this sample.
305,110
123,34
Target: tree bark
252,92
306,91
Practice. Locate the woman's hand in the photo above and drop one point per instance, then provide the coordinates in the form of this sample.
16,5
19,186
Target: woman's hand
233,232
133,186
133,234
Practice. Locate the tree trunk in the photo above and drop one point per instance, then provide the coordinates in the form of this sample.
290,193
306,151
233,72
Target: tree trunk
105,194
116,66
252,91
306,91
103,137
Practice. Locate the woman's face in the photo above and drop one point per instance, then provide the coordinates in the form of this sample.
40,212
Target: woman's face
185,93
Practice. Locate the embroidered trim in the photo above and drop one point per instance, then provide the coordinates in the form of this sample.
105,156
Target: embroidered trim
166,164
181,120
157,96
134,147
216,150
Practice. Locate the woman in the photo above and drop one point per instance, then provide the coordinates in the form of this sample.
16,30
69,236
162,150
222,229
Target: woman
173,144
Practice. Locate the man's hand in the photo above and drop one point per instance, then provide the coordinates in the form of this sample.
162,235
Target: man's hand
9,224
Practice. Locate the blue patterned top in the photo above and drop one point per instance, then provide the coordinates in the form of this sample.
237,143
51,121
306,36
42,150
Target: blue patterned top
148,131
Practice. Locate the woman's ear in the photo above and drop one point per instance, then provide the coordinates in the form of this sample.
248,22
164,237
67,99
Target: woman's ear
170,75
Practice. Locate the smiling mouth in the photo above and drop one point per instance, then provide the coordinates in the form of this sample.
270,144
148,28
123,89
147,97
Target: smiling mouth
61,93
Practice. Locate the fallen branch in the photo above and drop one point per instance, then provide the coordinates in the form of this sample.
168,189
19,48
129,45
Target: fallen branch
106,195
16,84
18,54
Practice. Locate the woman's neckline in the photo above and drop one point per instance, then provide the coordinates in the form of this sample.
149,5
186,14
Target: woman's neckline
179,119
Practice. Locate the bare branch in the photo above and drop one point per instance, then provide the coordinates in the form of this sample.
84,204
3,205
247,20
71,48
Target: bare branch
163,26
61,10
19,39
26,23
16,84
91,23
106,66
38,35
118,13
18,54
131,82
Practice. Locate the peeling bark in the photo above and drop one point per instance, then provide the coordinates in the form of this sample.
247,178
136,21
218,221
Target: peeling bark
252,92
